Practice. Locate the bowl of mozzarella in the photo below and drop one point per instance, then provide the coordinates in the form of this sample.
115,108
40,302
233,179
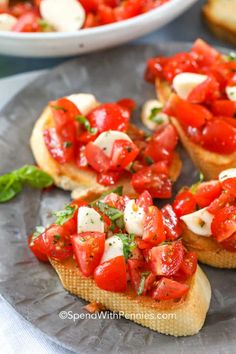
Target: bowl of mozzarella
56,28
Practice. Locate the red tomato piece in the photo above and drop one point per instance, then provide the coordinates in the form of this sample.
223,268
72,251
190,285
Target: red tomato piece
37,246
109,116
218,136
173,228
144,200
28,22
111,275
60,151
188,266
123,153
187,113
154,231
230,243
166,259
223,108
224,199
224,223
206,192
179,63
96,158
206,55
58,243
208,90
230,185
136,268
128,104
109,178
184,203
153,180
106,14
88,249
168,289
143,245
154,69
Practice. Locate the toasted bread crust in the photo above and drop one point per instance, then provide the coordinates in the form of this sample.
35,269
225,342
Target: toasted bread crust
210,163
218,20
82,182
185,317
208,250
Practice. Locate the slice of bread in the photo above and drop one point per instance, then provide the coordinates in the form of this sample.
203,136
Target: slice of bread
178,318
208,250
220,16
82,182
209,163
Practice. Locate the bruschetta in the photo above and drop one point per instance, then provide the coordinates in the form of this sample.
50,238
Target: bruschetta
198,91
87,147
127,255
208,214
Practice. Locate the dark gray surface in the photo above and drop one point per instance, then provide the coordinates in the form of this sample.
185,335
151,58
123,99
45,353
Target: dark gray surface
33,289
187,27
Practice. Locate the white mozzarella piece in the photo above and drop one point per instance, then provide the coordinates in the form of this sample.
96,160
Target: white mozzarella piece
230,173
113,248
85,102
7,22
89,220
199,222
63,15
184,83
106,140
151,120
231,92
134,217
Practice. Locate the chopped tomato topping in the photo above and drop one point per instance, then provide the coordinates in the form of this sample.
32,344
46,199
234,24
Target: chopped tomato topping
168,289
173,228
123,153
224,223
184,203
154,231
57,242
97,158
207,192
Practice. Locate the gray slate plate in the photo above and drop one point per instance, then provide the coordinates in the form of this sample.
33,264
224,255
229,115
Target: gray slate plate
32,288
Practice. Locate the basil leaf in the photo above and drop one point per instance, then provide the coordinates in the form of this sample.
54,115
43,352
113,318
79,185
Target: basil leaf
66,214
114,214
34,177
10,186
83,120
142,282
38,231
58,108
149,160
129,244
154,115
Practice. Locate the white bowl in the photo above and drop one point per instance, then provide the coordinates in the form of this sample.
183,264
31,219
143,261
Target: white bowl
56,44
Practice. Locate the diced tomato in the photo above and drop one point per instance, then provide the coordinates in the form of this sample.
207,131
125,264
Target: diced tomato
114,200
207,91
188,266
90,5
109,178
58,243
91,20
144,200
162,144
128,104
206,55
154,231
178,63
230,185
109,116
225,198
37,246
223,108
88,249
96,158
184,203
168,289
206,192
111,275
19,9
123,153
64,111
28,22
187,113
136,269
173,228
224,223
143,244
230,243
218,136
106,14
58,149
154,69
71,225
153,180
166,259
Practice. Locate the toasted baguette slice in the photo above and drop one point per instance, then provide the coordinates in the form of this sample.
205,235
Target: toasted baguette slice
209,163
208,250
182,318
220,16
68,176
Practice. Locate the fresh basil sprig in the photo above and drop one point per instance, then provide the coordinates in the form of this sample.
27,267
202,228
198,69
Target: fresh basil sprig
129,244
12,183
65,214
83,120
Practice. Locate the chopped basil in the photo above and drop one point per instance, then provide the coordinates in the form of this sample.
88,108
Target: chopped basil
38,231
154,115
58,108
83,120
142,282
231,56
12,183
149,160
114,214
67,144
66,214
128,244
